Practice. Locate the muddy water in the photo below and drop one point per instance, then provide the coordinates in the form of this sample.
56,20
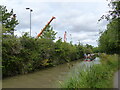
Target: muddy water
47,78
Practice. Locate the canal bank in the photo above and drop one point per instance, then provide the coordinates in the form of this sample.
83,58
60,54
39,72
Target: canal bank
54,77
47,78
94,76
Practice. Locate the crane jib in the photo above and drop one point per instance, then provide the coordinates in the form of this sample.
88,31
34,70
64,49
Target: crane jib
45,27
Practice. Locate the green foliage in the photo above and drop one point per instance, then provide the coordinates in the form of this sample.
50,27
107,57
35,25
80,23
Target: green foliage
26,54
80,51
95,49
9,21
89,46
109,40
48,33
65,52
21,55
10,52
97,76
88,49
114,13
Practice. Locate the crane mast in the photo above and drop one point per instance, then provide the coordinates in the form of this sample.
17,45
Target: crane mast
45,27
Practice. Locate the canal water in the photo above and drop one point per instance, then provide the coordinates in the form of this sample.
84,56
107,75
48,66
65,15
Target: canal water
47,78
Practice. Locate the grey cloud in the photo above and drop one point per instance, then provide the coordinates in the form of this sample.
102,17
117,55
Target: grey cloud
78,19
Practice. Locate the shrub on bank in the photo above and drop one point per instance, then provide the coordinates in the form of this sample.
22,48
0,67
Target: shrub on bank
26,54
97,76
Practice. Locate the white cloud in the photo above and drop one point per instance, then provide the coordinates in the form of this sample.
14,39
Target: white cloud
77,18
62,0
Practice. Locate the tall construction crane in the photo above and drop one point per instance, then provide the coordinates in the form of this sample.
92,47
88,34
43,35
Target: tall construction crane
45,27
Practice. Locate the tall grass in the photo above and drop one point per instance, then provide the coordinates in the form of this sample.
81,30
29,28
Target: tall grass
97,76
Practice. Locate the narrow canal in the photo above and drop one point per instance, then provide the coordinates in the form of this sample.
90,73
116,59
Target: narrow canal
47,78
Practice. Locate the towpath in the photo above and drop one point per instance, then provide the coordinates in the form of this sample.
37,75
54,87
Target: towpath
116,80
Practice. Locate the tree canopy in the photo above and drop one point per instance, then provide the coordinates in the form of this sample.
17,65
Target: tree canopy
9,21
109,40
48,33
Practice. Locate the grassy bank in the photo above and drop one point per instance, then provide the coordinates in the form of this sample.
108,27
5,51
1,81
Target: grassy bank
98,76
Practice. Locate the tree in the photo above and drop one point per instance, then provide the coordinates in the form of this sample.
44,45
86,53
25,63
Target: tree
110,38
88,48
114,13
9,21
80,51
49,33
95,49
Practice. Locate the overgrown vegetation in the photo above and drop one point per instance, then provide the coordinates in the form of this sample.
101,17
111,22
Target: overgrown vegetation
26,54
100,76
97,76
110,38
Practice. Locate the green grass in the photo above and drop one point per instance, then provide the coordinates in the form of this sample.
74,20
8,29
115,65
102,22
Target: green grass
98,76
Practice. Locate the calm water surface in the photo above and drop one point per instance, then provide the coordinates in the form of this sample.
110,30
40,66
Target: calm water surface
47,78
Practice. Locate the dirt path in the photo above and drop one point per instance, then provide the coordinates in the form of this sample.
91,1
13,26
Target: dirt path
117,79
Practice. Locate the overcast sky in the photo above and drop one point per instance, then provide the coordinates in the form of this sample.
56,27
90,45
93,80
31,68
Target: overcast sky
78,17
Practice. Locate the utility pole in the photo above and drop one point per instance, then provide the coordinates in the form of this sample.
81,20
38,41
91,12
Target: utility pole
30,18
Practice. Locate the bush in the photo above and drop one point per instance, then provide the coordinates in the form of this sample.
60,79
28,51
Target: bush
26,54
98,76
